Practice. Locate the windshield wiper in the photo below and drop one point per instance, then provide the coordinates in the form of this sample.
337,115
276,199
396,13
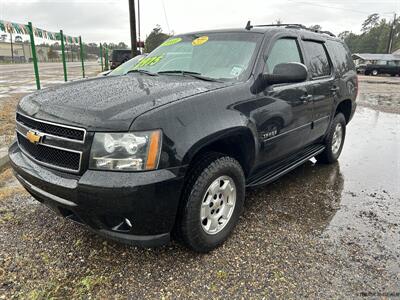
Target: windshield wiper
142,71
191,74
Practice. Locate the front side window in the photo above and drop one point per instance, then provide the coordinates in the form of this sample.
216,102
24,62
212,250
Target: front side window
284,51
223,56
318,60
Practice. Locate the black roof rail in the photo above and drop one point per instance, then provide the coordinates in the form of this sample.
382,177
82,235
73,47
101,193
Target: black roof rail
248,26
282,25
289,25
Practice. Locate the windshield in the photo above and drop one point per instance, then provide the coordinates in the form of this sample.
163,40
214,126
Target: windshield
126,66
222,56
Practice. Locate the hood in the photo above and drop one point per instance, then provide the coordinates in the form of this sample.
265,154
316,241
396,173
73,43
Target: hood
111,102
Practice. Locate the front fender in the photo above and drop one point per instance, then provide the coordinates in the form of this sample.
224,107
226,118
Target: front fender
239,133
193,123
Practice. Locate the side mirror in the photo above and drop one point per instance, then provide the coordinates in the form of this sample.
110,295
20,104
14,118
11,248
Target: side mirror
286,73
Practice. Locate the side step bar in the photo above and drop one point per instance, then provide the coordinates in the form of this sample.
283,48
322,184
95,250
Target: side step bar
281,168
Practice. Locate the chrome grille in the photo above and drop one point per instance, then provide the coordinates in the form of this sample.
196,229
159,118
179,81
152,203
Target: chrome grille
57,147
51,156
64,131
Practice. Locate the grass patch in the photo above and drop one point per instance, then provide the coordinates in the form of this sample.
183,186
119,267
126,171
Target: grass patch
7,192
7,118
88,283
5,176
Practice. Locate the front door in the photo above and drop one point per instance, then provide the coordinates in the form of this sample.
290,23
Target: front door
283,113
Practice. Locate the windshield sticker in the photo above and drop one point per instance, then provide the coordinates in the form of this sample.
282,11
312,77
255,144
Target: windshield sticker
200,40
148,61
171,42
236,71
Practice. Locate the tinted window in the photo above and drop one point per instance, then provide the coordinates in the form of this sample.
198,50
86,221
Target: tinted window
340,55
283,51
393,63
319,64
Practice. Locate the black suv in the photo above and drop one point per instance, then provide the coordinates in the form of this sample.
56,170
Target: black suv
390,68
119,56
170,147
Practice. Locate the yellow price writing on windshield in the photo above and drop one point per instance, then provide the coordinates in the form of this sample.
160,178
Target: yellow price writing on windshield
200,40
148,61
171,42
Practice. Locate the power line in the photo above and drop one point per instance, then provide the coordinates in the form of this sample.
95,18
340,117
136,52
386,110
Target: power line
332,7
165,15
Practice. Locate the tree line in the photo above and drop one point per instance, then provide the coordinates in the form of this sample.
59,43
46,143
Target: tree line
374,35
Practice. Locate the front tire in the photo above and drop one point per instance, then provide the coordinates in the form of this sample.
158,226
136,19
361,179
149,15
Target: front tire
374,72
212,202
334,140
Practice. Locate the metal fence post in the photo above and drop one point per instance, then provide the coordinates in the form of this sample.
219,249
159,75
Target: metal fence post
106,62
83,65
101,57
34,57
63,56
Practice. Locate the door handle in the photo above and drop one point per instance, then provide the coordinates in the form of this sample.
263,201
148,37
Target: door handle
334,89
306,98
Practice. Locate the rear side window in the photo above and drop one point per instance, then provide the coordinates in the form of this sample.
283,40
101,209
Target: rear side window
318,60
283,51
340,55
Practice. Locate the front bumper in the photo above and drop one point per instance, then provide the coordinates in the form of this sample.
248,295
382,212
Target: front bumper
146,203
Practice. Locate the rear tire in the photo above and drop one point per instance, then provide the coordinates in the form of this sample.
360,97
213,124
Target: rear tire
334,140
212,202
374,72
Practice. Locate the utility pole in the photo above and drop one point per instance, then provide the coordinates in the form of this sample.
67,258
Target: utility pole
12,48
138,11
132,20
390,41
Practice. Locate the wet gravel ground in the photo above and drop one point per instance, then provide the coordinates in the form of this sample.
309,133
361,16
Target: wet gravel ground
380,93
17,80
322,231
20,78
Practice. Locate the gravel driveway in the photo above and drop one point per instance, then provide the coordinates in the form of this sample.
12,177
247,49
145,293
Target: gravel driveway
321,232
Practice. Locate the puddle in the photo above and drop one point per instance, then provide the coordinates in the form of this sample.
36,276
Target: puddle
353,202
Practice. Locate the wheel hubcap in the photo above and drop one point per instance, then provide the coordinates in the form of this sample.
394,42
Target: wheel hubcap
218,205
337,138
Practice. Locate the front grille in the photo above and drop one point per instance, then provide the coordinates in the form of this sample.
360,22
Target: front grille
59,158
54,129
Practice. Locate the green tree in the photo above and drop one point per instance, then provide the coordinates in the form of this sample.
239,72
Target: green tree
370,22
155,39
122,45
343,35
316,27
374,37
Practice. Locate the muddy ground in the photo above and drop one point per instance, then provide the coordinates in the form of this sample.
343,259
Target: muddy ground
322,231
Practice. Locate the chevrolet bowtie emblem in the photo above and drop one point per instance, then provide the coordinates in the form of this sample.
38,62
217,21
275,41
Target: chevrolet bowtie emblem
33,137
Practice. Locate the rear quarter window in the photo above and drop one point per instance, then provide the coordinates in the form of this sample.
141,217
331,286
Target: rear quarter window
318,62
340,55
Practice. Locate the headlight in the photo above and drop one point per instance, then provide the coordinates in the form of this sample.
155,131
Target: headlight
133,151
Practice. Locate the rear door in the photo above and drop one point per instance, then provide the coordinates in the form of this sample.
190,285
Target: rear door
323,86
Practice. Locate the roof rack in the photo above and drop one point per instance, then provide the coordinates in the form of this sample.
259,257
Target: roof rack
295,26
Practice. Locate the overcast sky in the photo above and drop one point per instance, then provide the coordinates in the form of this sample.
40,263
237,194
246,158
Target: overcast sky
108,20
